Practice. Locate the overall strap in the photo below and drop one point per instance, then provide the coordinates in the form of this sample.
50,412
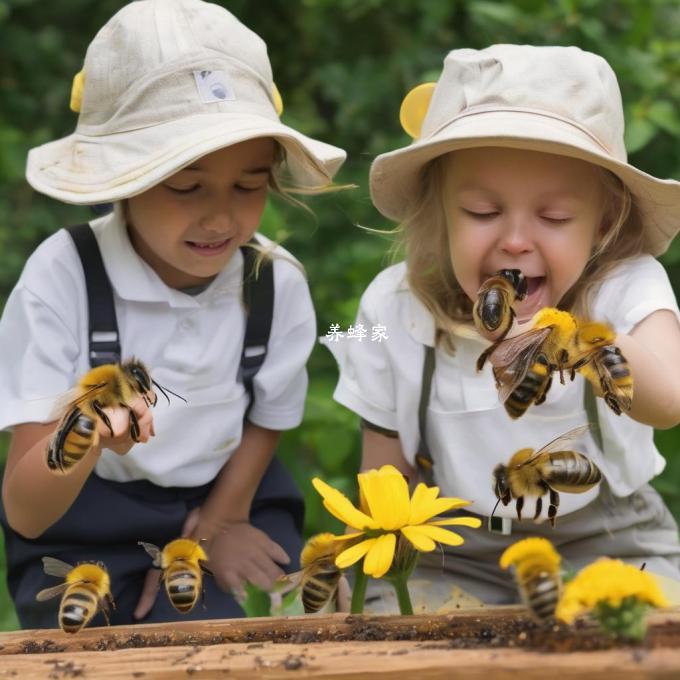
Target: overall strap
258,299
103,338
423,456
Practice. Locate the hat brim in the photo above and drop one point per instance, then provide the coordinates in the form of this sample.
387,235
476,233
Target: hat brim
395,176
85,170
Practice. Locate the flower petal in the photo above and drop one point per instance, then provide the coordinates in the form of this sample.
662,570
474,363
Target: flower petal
387,497
436,534
379,558
418,539
473,522
348,557
425,504
341,507
347,537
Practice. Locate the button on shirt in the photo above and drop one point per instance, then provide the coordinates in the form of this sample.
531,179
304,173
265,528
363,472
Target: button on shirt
190,344
468,431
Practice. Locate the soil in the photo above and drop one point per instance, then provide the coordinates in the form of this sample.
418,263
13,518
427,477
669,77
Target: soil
509,631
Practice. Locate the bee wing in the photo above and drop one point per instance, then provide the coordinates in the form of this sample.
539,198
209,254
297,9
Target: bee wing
600,377
509,349
559,443
49,593
154,551
513,357
73,398
55,567
288,582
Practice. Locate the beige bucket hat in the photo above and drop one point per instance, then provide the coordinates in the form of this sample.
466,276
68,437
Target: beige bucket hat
164,83
558,100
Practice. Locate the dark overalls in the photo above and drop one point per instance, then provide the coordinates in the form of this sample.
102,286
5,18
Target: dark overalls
108,518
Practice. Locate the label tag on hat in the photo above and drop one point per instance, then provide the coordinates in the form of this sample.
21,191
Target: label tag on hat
213,86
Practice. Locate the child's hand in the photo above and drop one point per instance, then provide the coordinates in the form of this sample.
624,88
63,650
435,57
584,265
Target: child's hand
241,553
122,441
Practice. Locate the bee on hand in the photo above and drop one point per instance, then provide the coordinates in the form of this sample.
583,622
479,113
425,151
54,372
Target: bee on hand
86,591
492,312
110,385
319,577
603,365
548,470
182,562
536,565
523,364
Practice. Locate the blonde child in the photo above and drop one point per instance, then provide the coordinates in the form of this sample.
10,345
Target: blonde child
518,162
179,128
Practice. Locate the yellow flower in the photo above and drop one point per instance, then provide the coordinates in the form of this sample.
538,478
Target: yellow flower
386,510
609,582
530,555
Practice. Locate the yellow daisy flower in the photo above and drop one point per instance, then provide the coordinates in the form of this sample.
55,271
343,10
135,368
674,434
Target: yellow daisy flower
608,582
387,509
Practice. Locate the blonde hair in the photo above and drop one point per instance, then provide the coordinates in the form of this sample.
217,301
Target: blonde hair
424,239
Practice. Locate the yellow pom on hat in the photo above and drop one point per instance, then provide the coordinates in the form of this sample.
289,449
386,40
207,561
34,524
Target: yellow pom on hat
414,108
77,91
278,102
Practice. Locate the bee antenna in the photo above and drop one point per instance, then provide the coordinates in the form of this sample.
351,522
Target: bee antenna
494,507
163,391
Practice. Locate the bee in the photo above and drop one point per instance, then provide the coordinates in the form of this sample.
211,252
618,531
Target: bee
532,389
536,565
547,470
109,385
86,591
183,562
492,311
602,363
547,343
319,577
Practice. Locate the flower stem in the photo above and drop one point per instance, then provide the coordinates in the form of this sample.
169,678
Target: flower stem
400,583
359,589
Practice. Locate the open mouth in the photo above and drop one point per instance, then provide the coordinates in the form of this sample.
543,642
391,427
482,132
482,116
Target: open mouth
535,299
209,248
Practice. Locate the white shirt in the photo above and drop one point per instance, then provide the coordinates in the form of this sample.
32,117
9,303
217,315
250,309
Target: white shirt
468,430
190,344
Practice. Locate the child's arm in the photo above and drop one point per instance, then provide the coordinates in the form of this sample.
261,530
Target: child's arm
34,497
379,450
652,350
238,551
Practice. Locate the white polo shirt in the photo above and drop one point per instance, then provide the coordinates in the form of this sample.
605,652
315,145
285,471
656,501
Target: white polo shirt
468,430
191,344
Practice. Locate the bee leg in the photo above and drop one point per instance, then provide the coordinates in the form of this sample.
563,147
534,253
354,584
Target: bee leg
539,507
105,611
484,356
554,504
100,412
134,424
520,505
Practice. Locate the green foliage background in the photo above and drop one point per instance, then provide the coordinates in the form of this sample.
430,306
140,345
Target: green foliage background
343,67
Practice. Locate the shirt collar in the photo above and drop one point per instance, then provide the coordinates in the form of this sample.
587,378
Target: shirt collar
420,322
134,280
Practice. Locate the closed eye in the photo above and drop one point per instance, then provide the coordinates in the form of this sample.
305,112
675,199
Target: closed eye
183,190
247,189
481,215
556,220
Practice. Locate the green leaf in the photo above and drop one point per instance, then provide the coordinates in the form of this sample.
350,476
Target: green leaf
665,115
639,133
257,603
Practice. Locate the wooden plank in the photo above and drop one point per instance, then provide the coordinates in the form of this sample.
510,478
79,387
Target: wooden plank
349,660
500,642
